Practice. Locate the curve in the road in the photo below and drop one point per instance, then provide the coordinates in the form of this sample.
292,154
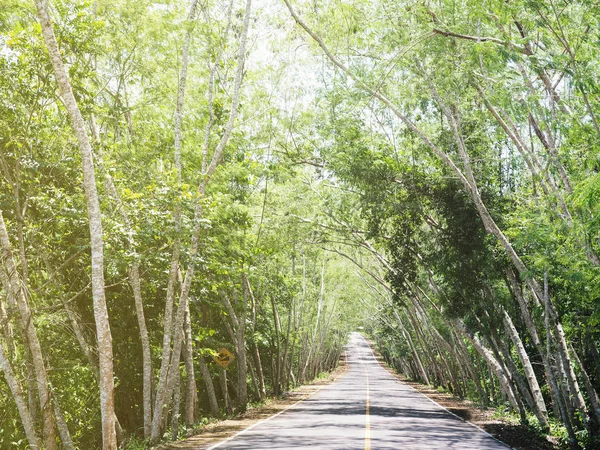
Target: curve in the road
367,408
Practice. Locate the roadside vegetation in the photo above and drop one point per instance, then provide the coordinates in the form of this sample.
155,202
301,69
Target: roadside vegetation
179,177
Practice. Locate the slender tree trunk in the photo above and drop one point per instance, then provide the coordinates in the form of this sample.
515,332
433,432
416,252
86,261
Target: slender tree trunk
20,220
242,370
195,239
518,384
589,387
166,376
135,282
539,404
242,367
237,331
286,350
145,340
417,358
191,399
210,388
492,363
176,406
63,429
253,377
225,390
277,359
109,437
464,359
16,295
166,346
563,404
555,394
426,348
262,393
316,327
17,393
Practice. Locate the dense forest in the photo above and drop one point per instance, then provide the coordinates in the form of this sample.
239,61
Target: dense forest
178,177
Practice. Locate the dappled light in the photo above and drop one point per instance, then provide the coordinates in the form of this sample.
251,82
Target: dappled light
203,202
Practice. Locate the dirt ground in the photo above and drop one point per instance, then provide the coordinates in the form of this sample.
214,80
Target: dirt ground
515,435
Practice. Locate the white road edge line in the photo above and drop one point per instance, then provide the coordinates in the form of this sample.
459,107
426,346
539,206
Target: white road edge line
442,407
245,430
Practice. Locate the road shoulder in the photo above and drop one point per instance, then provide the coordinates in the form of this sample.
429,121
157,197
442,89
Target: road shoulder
514,435
218,431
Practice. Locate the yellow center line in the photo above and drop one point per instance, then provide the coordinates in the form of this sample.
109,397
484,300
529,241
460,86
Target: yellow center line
368,418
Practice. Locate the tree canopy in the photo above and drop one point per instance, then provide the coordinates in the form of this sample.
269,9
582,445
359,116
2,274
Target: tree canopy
178,177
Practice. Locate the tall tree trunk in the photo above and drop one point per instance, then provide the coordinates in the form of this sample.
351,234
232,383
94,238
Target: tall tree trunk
17,393
277,358
502,353
105,353
253,377
134,278
539,404
16,295
20,221
242,370
225,390
237,330
408,338
166,376
135,282
195,238
210,388
492,363
166,345
286,349
426,348
176,405
557,398
63,429
566,416
191,399
466,362
589,387
316,326
262,393
241,351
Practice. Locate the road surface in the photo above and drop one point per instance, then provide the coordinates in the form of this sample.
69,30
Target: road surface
367,408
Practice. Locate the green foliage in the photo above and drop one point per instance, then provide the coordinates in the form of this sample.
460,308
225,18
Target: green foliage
338,214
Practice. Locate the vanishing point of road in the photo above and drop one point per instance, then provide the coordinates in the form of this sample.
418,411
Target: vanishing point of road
366,408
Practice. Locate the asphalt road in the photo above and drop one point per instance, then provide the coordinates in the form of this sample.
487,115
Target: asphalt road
366,408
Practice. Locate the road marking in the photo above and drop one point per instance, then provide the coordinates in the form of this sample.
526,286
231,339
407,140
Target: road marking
245,430
368,417
381,364
260,422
